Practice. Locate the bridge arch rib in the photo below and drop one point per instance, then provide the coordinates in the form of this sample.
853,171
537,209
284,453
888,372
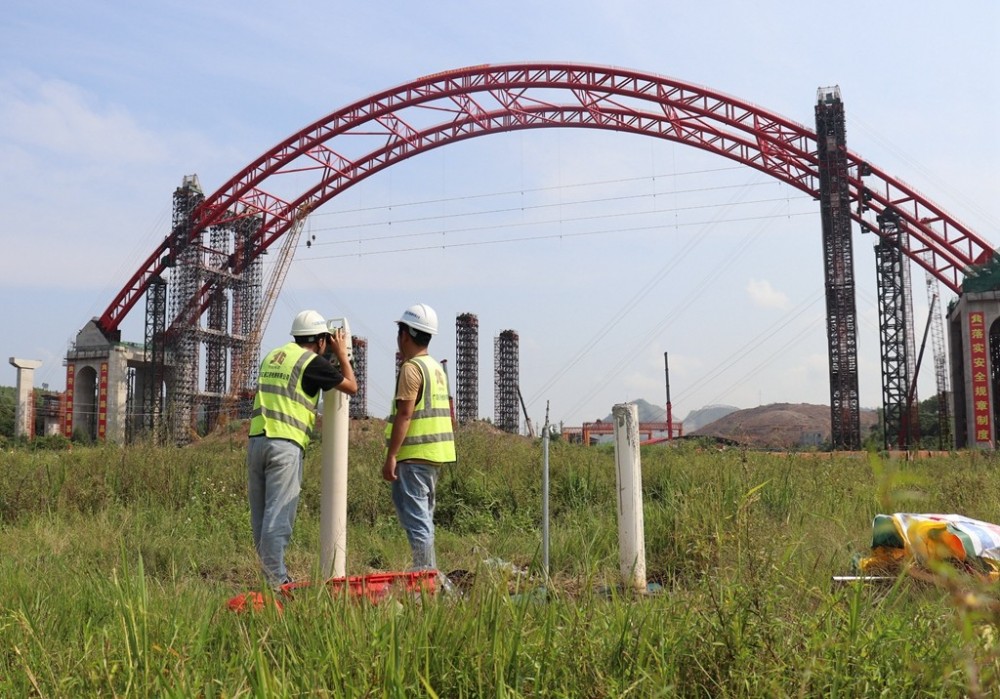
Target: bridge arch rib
347,146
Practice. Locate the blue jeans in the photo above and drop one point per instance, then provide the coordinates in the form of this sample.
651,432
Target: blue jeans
274,480
413,496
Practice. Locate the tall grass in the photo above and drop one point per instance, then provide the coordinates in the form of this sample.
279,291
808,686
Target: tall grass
116,566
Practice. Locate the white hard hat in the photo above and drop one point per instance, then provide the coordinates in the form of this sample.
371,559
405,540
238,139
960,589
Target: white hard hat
422,317
309,324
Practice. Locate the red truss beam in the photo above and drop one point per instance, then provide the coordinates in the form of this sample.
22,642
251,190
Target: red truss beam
350,144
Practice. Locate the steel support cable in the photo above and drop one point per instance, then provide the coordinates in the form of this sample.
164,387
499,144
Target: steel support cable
944,185
796,339
134,256
618,317
532,207
610,324
549,222
750,346
522,224
551,236
527,190
652,333
589,346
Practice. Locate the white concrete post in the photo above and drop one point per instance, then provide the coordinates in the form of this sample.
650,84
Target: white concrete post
333,496
631,534
25,390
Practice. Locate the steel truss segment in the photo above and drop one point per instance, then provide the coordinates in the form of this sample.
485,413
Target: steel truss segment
329,158
469,106
922,213
598,97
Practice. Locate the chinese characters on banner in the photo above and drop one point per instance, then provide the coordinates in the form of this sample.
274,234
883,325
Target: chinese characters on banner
980,379
68,421
102,402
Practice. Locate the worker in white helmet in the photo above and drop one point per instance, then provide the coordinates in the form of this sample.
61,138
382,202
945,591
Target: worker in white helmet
284,415
419,437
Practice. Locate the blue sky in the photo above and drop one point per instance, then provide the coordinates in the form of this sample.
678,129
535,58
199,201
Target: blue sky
106,106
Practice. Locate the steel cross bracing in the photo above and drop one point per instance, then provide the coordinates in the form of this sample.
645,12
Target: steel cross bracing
350,144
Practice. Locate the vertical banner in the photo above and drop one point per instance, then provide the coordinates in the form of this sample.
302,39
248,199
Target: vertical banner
68,419
980,379
102,403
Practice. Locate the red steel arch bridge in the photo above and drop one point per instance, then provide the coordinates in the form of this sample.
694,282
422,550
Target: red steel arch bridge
274,192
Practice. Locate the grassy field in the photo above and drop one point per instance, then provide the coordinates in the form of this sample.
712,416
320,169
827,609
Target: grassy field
116,565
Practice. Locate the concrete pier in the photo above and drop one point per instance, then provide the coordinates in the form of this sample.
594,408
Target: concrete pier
24,410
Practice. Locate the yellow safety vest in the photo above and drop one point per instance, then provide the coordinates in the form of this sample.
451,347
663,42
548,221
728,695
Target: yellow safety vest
430,437
281,409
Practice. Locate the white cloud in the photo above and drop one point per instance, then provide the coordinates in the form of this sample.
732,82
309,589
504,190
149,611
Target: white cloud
59,117
764,295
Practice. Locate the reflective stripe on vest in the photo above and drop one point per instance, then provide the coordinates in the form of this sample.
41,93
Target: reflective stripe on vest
281,408
430,435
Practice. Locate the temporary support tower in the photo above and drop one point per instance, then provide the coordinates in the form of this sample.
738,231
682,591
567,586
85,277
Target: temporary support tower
173,400
186,278
895,329
838,260
156,327
505,400
467,369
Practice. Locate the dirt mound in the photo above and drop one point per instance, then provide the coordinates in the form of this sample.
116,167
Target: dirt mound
781,426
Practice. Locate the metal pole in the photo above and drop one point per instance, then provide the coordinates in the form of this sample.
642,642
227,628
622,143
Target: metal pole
333,496
545,494
670,412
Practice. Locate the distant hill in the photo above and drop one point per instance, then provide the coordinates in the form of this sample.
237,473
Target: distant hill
780,425
702,417
647,412
695,419
775,426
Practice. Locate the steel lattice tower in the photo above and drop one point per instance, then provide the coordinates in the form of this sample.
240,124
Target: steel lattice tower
838,259
359,402
467,368
152,388
895,328
505,401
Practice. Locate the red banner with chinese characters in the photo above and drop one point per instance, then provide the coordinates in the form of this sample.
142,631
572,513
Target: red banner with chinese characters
980,379
68,420
102,402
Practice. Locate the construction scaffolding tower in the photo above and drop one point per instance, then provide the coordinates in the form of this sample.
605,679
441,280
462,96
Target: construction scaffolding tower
201,278
467,368
215,334
248,323
841,313
506,379
895,333
359,402
181,340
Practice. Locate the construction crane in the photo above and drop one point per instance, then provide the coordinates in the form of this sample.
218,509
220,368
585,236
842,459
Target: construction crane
940,361
243,380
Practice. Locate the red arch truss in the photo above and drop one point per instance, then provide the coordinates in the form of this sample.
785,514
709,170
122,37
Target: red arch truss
371,134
